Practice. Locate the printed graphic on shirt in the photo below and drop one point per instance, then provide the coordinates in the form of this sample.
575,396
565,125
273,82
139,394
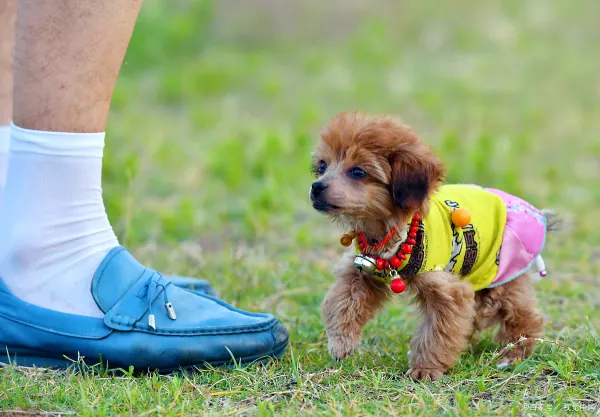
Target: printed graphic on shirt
462,237
472,250
418,255
452,204
457,246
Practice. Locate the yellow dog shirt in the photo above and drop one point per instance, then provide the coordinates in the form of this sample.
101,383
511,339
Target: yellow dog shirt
503,240
471,251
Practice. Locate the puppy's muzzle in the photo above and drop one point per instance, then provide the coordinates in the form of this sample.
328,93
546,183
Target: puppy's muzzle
317,196
317,190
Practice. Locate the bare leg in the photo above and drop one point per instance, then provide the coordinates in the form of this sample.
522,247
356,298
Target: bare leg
448,308
67,58
349,304
8,14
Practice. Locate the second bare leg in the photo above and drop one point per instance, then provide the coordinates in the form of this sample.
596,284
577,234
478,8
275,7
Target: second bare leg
8,15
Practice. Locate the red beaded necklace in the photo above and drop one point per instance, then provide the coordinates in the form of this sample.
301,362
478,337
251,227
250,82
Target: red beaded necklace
395,262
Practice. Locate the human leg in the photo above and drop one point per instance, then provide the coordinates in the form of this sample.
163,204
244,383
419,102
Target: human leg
56,231
8,14
58,253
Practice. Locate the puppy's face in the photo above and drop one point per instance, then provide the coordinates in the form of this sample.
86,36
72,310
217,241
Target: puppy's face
372,168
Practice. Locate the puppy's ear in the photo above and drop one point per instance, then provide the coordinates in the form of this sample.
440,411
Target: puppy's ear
414,177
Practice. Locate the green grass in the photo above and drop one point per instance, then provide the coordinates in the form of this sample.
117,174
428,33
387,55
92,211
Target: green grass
207,172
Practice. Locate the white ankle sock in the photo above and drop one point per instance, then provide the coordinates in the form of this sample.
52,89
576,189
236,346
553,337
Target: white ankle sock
54,231
4,141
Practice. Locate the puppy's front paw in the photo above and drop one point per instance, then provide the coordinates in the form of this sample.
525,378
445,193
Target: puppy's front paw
341,347
431,374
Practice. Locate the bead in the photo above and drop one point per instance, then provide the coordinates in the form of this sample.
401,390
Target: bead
411,241
398,285
395,262
402,256
386,264
417,217
415,225
412,234
461,217
345,240
406,248
352,234
380,263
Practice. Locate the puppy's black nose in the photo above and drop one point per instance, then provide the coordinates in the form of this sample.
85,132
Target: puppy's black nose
317,188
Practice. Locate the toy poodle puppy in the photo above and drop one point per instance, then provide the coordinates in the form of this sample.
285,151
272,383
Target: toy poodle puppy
464,251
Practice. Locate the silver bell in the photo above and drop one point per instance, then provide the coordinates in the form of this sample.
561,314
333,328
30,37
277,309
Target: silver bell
366,264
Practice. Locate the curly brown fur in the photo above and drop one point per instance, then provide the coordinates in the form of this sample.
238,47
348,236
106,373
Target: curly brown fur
401,173
350,303
398,163
513,307
448,308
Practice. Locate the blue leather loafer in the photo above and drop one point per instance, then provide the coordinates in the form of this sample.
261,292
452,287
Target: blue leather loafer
149,324
201,286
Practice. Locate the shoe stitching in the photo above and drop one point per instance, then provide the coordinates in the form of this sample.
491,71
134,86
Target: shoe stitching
254,328
57,331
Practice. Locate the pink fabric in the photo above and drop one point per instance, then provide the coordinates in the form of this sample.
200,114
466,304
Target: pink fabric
524,237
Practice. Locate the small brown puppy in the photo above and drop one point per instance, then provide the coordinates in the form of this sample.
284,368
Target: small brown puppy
464,251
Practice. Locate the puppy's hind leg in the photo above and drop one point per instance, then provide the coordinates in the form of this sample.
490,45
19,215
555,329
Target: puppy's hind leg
350,303
518,317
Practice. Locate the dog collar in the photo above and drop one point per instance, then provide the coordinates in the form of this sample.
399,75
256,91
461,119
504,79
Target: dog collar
383,270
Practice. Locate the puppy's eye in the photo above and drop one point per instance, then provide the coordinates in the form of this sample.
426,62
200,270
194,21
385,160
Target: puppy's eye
319,169
357,173
322,167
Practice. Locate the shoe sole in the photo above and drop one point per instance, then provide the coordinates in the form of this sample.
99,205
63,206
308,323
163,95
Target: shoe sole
30,358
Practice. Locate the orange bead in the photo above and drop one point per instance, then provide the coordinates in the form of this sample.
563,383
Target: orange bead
461,217
345,240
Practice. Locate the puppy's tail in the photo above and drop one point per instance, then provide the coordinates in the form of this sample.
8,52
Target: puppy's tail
554,222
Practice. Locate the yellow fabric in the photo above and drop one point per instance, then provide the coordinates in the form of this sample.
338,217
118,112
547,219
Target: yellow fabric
441,245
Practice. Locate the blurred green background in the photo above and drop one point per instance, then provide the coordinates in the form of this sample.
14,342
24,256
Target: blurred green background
207,173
